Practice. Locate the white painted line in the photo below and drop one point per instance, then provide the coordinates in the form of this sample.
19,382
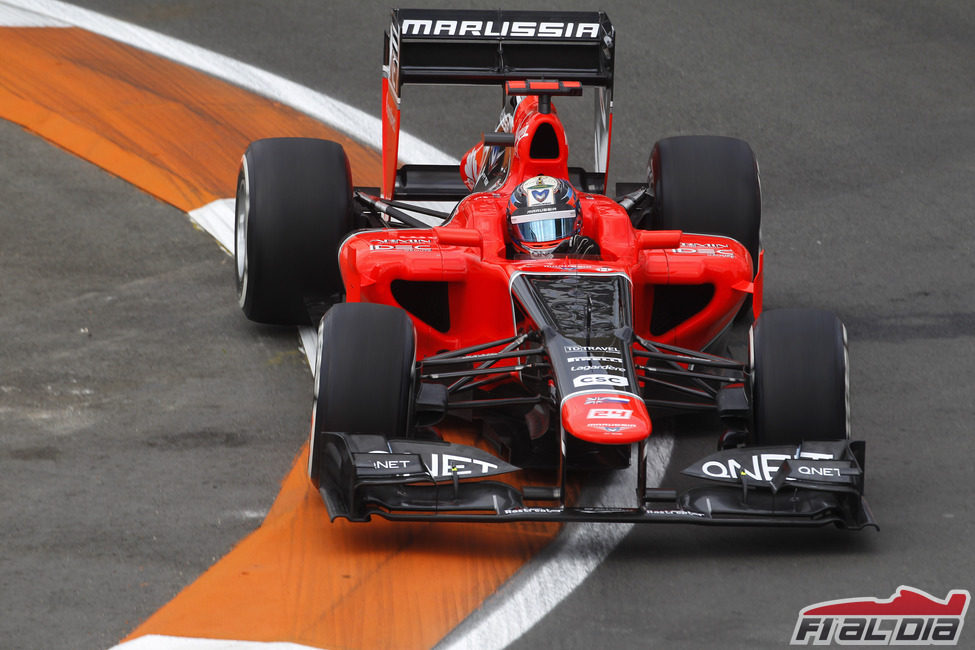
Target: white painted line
157,642
16,17
556,572
217,218
309,340
339,115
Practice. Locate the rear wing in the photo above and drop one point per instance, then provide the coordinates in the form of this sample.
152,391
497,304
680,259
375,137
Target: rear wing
447,46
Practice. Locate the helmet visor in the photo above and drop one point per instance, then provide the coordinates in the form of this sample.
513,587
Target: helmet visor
547,226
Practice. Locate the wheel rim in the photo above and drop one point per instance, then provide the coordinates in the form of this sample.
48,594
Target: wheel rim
240,232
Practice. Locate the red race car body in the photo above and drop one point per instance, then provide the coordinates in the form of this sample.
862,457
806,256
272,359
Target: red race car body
559,321
468,255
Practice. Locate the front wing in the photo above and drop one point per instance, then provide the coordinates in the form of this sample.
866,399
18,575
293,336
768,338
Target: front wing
815,484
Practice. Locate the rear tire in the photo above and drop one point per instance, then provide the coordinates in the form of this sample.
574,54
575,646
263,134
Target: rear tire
707,185
293,208
363,376
800,377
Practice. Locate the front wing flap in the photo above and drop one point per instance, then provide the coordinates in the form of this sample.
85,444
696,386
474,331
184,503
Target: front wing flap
419,480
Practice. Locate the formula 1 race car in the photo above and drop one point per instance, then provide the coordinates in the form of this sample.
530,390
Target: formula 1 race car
560,322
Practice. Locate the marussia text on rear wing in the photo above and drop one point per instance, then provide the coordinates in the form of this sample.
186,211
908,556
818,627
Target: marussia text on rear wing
431,46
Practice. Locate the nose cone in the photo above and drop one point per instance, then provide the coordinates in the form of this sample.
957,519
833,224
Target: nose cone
606,418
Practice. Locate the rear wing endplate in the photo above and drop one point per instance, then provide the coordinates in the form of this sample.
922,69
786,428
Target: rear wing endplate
492,47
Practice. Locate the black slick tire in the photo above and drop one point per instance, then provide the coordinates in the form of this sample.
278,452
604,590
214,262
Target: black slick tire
363,376
293,208
800,377
707,185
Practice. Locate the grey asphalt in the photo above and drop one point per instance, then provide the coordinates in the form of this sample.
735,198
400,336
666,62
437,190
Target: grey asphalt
145,425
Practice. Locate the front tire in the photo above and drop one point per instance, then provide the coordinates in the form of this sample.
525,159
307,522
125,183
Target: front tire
293,208
800,377
363,377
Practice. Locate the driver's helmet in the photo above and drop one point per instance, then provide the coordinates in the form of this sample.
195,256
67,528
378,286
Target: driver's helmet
543,212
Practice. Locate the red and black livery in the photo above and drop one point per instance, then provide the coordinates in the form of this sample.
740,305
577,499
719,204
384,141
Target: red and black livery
562,360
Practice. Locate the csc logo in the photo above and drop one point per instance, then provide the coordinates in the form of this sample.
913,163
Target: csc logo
599,380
